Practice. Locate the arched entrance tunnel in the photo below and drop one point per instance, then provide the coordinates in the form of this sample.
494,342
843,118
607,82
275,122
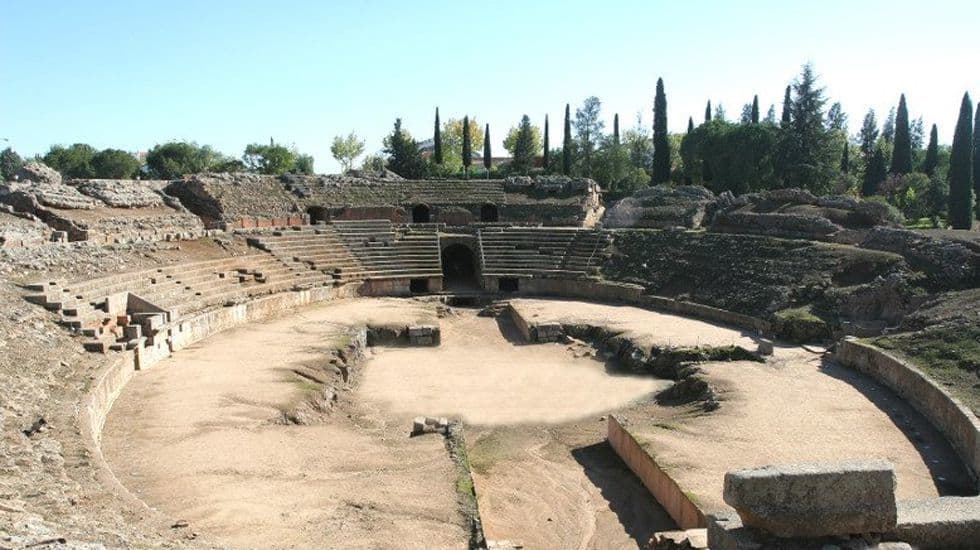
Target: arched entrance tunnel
458,266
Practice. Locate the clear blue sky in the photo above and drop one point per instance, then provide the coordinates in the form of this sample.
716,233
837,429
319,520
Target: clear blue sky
131,74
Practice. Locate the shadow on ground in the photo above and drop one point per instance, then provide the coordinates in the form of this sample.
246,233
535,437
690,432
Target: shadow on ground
635,508
947,470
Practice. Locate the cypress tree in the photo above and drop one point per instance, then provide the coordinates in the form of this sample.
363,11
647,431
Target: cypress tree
616,129
690,124
661,141
932,153
547,153
467,146
755,109
566,144
845,159
902,153
976,161
787,106
875,173
707,112
961,169
437,141
487,156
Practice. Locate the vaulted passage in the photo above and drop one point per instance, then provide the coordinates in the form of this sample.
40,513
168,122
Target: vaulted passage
420,214
458,266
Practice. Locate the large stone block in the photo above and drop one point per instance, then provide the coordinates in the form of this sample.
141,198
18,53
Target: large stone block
814,500
943,522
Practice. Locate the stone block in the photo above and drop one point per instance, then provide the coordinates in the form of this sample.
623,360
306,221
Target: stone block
814,500
765,348
943,522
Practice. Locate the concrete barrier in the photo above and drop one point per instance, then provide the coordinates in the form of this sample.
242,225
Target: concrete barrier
960,426
680,508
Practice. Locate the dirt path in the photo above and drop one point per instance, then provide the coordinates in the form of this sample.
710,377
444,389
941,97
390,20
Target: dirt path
194,437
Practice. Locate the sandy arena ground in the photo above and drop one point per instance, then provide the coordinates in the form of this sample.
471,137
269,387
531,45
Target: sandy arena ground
194,435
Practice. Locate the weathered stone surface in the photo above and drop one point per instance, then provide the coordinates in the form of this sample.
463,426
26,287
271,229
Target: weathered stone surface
122,193
950,264
813,500
38,173
944,522
661,206
727,532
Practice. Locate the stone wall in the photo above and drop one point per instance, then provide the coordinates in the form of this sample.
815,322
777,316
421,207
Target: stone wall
670,496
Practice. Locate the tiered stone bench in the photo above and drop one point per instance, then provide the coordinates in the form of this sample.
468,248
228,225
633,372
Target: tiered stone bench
386,252
541,252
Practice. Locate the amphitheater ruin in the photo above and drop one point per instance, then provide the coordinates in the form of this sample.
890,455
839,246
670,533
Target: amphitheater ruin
236,360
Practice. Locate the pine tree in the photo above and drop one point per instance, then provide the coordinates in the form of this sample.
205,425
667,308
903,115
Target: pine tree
888,128
437,141
961,169
467,146
868,134
771,115
902,152
661,140
566,145
932,153
547,150
845,159
616,129
690,124
755,109
807,157
487,155
404,158
787,106
707,112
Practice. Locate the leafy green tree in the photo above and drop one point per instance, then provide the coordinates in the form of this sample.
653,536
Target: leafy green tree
588,132
304,165
512,140
10,163
373,163
272,159
115,164
74,161
707,112
346,149
845,160
771,115
917,133
403,153
902,151
720,113
547,151
176,158
566,145
661,144
807,156
730,157
961,169
487,154
614,169
437,141
452,143
787,106
525,147
932,153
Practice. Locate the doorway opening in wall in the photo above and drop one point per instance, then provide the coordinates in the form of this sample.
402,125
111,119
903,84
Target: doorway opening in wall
488,213
318,214
418,286
420,214
458,267
508,284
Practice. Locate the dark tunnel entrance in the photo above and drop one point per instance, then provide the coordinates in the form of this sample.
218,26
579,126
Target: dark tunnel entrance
458,267
420,214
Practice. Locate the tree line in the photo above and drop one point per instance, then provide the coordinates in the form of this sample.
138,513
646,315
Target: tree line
807,146
164,161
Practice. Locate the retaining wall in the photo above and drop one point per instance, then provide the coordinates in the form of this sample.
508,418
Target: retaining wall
680,508
960,426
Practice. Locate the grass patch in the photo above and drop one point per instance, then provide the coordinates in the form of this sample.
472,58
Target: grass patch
948,353
800,325
489,449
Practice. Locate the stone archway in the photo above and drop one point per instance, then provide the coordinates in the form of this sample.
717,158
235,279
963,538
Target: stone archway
318,214
421,214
